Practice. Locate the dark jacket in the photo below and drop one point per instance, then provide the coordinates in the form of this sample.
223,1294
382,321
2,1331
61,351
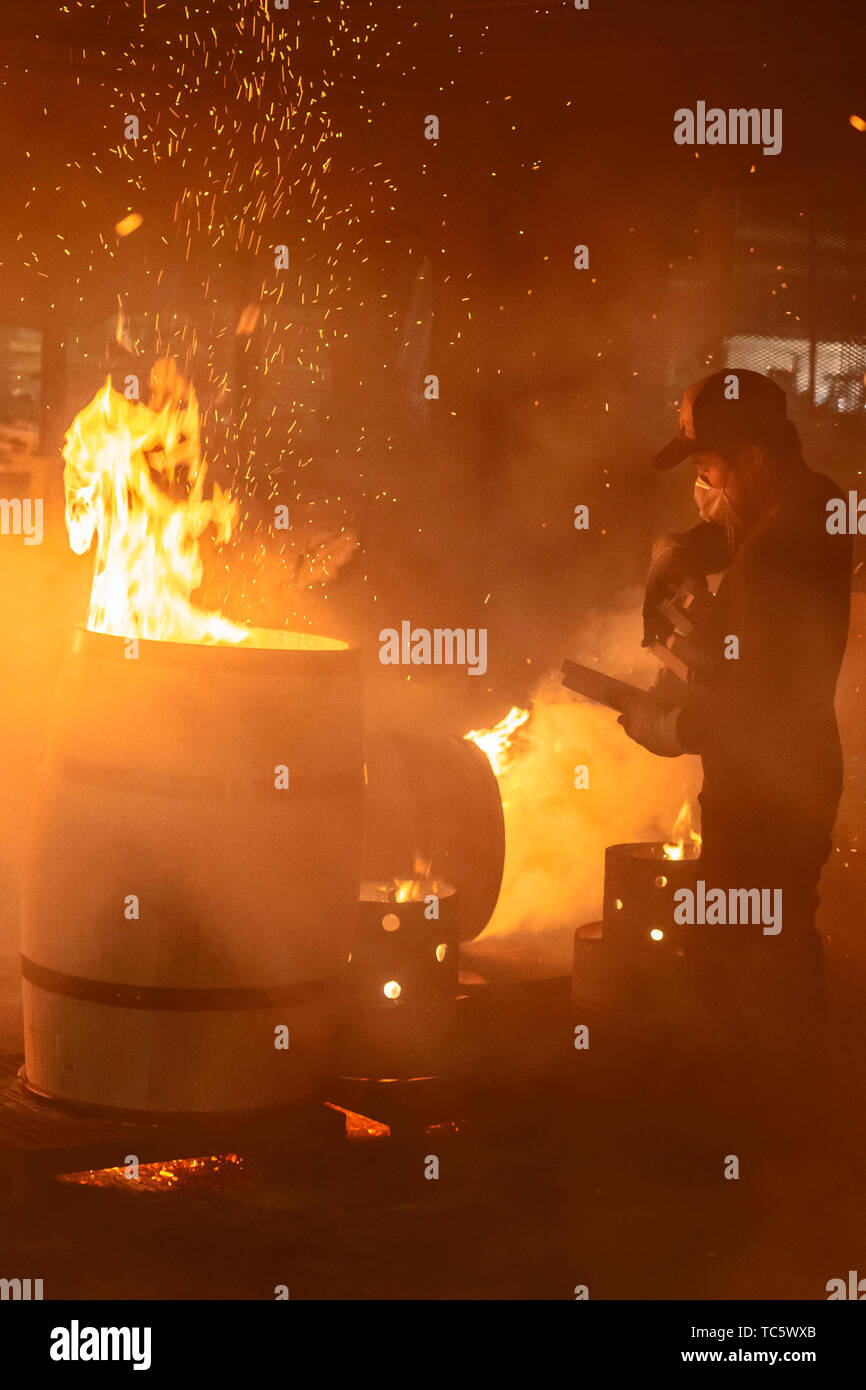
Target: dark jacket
764,723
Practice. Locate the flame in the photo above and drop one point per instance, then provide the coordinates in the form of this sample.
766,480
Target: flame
497,742
123,462
683,832
415,890
406,890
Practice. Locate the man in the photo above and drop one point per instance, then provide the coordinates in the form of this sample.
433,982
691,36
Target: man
763,719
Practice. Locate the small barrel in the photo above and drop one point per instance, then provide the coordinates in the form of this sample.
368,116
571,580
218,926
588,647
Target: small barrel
639,887
403,950
400,986
191,882
435,799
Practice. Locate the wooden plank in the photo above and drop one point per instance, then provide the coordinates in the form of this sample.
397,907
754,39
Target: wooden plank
597,686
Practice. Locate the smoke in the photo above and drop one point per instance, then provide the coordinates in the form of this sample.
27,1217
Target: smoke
556,833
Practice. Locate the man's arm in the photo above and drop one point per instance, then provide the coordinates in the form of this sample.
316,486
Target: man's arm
676,557
704,548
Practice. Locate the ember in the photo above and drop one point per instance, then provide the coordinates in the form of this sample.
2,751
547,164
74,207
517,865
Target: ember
160,1177
360,1128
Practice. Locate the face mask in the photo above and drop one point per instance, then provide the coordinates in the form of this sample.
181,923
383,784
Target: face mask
714,505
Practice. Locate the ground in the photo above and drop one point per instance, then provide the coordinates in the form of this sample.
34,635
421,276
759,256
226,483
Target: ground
560,1178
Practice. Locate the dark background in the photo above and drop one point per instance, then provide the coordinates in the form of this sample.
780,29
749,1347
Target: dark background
452,257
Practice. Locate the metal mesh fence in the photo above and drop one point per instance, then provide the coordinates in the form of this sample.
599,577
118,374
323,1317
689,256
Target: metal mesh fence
797,305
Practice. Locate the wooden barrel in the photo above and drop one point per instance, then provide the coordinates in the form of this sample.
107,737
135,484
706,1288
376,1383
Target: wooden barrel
435,798
180,904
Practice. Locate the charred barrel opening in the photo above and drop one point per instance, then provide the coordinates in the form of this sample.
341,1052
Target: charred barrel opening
192,875
438,799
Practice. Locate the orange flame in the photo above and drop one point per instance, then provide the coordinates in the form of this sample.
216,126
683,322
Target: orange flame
122,459
497,742
415,890
684,834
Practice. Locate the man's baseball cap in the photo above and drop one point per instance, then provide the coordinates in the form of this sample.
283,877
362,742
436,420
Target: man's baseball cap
724,411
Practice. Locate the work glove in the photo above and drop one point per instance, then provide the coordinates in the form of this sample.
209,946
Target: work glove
652,726
669,567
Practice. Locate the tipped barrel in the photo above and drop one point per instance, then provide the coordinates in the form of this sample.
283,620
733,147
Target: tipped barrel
435,799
